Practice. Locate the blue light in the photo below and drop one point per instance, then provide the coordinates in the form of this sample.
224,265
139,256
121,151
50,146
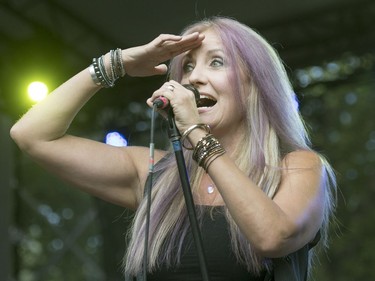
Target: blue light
115,139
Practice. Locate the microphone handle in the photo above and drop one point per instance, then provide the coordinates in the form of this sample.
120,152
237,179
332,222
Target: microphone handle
161,102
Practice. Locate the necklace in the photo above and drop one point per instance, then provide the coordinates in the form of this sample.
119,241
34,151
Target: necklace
210,188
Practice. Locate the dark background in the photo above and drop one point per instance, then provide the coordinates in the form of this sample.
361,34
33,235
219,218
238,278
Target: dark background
50,231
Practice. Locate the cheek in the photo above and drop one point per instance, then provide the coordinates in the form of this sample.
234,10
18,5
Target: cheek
184,80
223,85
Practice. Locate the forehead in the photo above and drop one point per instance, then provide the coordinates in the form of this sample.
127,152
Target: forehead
211,37
211,43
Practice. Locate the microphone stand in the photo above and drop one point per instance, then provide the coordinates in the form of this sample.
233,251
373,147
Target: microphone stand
174,136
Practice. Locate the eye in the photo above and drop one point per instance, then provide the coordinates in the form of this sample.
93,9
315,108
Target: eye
216,62
188,67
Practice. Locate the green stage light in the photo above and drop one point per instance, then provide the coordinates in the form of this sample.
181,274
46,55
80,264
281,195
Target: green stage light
37,91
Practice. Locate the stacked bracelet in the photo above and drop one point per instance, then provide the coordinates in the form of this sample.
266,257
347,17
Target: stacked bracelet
189,130
207,150
98,71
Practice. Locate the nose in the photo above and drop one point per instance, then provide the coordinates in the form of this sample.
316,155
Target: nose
197,76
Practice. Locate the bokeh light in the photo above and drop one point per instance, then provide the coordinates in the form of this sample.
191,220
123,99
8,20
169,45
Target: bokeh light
116,139
37,91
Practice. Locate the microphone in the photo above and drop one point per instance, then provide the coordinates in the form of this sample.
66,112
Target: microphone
162,102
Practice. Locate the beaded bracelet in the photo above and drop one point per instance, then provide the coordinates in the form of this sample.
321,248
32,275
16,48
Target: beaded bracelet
99,73
207,150
189,130
94,74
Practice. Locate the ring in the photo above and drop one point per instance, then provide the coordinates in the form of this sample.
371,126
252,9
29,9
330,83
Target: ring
170,88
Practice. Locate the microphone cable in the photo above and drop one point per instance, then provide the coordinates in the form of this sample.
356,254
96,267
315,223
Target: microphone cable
147,192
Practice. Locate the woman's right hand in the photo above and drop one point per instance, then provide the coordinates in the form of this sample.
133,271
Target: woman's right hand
148,59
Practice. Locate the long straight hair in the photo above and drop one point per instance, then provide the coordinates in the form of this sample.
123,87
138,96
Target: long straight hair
273,128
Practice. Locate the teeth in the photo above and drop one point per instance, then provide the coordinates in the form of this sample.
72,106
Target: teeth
206,97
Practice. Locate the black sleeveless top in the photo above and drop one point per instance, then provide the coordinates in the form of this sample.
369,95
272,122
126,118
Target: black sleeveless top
221,262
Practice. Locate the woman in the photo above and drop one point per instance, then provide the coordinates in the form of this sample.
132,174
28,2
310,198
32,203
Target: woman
261,192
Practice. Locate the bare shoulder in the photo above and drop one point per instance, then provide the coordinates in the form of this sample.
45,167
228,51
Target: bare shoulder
302,159
302,171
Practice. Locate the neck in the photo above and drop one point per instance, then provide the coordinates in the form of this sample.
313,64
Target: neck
231,140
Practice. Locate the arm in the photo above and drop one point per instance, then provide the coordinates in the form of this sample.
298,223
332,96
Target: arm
113,174
275,227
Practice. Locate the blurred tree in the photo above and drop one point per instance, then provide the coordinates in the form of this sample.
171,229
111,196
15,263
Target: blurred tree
337,101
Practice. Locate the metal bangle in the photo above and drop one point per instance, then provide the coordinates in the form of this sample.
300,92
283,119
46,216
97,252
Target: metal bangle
93,75
186,133
108,82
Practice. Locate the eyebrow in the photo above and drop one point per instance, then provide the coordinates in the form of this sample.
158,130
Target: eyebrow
209,52
215,51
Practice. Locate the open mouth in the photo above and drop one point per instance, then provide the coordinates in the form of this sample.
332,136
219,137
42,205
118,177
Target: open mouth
205,101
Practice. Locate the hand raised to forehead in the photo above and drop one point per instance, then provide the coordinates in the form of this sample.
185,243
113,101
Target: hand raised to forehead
148,59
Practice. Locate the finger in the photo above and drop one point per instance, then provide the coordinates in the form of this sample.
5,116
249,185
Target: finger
191,39
164,91
175,84
186,40
168,90
185,44
162,38
161,69
162,112
150,102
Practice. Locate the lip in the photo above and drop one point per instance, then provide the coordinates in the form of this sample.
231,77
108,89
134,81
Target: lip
204,109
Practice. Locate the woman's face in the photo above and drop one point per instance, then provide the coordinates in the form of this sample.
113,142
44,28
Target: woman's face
208,69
